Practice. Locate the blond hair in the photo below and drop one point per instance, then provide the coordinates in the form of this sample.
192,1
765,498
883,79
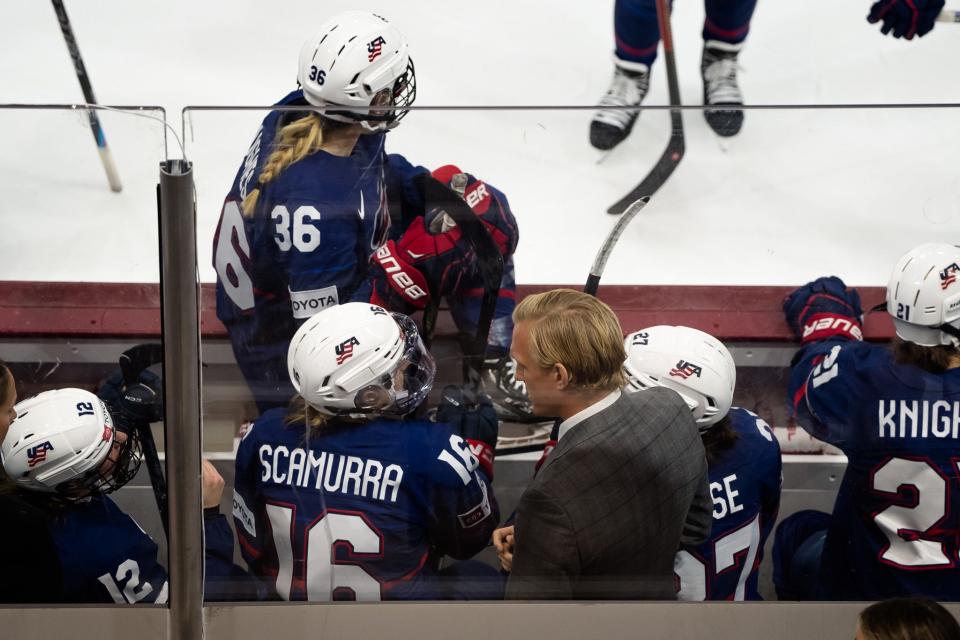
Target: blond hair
7,485
298,413
578,331
6,381
293,143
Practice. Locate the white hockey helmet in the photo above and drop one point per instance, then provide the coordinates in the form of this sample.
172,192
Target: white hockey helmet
693,363
357,60
923,295
59,444
356,359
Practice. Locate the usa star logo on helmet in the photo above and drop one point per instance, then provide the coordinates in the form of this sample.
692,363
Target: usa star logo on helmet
344,350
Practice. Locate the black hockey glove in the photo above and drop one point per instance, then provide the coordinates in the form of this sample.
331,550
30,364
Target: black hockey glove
906,18
137,403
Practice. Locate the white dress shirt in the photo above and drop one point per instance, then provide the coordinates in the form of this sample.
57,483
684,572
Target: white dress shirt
593,409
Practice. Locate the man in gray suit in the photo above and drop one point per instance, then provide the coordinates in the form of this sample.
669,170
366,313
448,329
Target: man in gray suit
626,484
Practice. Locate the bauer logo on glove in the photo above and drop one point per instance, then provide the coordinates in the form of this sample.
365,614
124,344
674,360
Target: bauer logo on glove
401,279
484,200
473,191
824,308
820,326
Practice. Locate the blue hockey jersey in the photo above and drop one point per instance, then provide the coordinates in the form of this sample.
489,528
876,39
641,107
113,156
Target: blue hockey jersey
106,557
894,529
360,511
305,248
745,487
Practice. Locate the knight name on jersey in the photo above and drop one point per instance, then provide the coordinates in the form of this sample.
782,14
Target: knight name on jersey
350,475
919,419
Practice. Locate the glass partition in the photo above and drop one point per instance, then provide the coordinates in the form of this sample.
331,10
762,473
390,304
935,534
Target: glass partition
792,169
80,288
802,192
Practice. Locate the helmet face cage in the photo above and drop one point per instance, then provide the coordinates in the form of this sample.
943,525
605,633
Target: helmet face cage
126,459
127,463
388,107
64,443
404,93
86,455
402,390
357,68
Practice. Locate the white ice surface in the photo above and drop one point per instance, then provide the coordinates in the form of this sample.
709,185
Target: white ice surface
797,194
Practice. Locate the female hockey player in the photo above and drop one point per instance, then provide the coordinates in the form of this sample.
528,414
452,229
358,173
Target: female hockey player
338,498
65,456
28,559
895,413
306,224
743,458
8,398
725,29
636,36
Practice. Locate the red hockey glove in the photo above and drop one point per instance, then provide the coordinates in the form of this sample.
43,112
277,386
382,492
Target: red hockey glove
824,308
489,204
443,258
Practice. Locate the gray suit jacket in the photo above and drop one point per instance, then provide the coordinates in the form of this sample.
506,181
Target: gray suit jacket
609,508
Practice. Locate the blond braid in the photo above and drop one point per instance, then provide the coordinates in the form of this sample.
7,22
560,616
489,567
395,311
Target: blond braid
293,143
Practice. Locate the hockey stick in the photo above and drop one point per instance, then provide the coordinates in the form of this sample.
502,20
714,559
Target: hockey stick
433,307
600,262
948,15
489,261
430,320
675,146
105,156
136,404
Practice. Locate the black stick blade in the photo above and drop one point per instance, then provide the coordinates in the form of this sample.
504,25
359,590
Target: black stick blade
665,166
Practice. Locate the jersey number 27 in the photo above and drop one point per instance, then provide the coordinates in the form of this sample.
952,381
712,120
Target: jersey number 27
740,545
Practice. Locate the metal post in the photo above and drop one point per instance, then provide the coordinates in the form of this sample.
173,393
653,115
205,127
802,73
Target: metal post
179,291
